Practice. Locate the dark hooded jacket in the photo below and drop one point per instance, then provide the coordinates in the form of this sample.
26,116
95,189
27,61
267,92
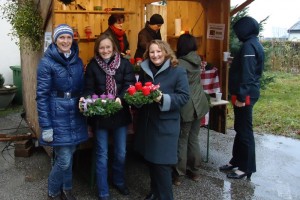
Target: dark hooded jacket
57,74
247,66
144,37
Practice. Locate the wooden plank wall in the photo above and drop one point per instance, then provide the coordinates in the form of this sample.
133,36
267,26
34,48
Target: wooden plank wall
218,11
29,62
99,21
193,19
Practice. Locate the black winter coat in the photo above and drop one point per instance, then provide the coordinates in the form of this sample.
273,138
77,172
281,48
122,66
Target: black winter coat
247,66
95,83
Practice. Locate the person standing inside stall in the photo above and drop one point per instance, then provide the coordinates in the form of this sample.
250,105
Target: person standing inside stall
159,123
244,87
191,113
115,30
60,79
151,31
109,73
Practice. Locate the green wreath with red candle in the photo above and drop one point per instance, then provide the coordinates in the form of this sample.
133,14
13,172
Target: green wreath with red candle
139,95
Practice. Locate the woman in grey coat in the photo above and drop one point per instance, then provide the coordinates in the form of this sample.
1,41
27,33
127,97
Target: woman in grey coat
191,113
159,122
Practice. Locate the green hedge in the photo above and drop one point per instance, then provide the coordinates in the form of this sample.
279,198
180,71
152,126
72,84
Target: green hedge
282,56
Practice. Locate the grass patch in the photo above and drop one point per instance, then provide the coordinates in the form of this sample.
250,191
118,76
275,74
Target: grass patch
11,109
278,109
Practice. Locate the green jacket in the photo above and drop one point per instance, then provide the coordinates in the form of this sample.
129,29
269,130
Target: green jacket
197,105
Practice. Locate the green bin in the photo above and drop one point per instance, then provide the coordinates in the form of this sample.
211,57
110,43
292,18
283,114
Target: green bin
17,79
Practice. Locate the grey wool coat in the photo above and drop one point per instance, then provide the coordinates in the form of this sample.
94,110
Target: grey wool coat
158,125
197,106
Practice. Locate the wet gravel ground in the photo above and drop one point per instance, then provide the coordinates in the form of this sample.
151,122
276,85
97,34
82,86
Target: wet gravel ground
277,176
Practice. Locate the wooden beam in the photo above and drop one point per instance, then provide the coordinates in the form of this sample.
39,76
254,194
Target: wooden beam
240,7
152,1
9,137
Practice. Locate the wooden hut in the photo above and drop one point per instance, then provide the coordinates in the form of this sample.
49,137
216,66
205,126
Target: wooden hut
195,15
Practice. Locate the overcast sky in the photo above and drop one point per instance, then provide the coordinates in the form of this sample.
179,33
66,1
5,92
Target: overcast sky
283,14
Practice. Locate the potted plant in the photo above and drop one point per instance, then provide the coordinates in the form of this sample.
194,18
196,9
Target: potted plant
7,93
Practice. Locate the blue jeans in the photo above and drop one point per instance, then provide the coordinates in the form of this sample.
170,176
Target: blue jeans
60,176
119,145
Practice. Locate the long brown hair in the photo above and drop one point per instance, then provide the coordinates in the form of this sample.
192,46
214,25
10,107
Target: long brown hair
165,47
102,37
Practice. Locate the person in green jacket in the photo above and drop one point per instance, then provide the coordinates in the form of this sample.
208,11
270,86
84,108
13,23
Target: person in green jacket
191,113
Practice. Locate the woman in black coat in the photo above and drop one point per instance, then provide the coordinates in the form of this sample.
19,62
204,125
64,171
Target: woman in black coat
115,30
159,122
244,84
109,73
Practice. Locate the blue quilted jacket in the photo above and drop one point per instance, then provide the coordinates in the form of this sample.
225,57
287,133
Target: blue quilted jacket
56,75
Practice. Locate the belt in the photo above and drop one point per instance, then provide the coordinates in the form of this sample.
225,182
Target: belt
67,95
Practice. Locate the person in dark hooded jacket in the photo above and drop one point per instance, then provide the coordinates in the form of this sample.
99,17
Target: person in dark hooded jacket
151,31
59,85
244,87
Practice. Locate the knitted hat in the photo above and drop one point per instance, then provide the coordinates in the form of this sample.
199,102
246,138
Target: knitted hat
116,18
62,29
156,19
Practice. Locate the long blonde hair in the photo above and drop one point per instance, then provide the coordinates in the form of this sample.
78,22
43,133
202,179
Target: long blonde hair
164,46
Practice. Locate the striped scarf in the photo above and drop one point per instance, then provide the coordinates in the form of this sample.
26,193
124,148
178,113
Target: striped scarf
110,69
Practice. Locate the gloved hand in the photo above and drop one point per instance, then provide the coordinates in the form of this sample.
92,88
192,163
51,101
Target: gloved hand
47,135
158,99
118,100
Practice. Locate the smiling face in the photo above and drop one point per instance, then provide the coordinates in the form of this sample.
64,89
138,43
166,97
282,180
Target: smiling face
64,43
106,49
156,55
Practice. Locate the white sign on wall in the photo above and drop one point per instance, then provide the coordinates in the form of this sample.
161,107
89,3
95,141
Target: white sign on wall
215,31
48,40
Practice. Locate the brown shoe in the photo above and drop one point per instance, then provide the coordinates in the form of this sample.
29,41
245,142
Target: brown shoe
195,177
176,180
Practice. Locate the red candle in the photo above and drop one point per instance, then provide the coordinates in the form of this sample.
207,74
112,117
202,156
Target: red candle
132,61
148,83
131,90
146,90
138,86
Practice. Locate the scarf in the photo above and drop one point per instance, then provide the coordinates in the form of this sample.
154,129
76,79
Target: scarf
119,35
110,69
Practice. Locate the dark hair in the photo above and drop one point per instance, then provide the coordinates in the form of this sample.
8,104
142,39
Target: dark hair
104,36
186,43
116,18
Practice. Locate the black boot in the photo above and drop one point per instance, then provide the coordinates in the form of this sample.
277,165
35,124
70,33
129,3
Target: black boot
54,198
67,195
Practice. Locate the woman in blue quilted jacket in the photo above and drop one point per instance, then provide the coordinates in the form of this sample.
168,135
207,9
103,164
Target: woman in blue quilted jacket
59,85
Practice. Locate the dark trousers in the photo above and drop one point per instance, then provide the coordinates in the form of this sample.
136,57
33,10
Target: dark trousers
243,152
161,181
